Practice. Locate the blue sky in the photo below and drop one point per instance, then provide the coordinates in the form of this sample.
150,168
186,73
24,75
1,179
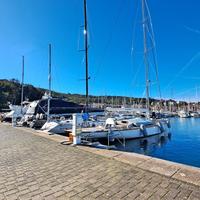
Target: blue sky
28,26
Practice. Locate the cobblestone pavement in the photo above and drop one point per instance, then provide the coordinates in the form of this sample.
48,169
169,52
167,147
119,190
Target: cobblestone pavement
32,167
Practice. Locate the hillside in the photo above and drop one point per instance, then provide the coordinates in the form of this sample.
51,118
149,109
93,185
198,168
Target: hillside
10,91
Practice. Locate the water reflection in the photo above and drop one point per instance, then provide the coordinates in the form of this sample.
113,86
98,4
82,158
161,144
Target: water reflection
183,148
144,146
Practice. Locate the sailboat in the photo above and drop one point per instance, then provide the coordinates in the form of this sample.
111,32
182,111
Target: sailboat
17,111
54,125
183,114
61,125
133,127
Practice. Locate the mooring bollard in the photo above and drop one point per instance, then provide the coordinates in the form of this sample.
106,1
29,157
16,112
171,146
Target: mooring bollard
75,130
14,120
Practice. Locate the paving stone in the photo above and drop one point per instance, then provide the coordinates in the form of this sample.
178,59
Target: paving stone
33,167
2,197
161,192
37,197
10,192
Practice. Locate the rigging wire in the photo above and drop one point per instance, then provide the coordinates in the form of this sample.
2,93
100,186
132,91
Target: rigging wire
134,31
143,95
152,36
137,72
133,51
152,46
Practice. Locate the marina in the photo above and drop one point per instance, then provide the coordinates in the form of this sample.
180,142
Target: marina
177,142
123,123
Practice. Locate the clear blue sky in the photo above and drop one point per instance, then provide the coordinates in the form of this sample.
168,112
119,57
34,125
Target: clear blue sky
27,26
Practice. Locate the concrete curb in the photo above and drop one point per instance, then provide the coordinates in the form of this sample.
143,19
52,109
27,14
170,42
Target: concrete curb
174,170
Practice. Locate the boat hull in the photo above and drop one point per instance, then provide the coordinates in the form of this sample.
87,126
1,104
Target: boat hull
123,134
56,127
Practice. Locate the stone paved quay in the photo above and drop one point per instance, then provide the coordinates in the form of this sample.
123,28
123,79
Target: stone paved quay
33,167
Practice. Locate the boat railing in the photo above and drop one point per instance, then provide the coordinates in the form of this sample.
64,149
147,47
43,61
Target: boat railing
117,138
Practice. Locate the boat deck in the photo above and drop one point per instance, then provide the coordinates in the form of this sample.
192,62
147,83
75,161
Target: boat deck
118,127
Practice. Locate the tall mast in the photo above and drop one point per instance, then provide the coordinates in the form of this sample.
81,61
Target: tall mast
112,102
145,54
86,55
49,79
22,93
196,103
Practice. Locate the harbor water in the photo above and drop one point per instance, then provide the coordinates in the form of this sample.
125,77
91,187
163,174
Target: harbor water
182,145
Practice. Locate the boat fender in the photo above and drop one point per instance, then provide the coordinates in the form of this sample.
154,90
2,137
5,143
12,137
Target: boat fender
41,116
62,118
159,124
37,116
143,130
168,124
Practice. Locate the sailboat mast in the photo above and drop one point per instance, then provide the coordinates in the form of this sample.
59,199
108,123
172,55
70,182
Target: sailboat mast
196,103
22,93
145,55
86,55
49,79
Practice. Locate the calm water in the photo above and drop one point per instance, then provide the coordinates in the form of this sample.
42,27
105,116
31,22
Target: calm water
183,146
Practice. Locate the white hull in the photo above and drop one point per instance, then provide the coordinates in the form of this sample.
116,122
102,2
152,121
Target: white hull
124,134
183,114
56,127
135,133
162,126
194,115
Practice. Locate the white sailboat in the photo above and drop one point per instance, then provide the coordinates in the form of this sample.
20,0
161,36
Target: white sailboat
194,114
54,125
183,114
130,129
133,127
17,111
57,126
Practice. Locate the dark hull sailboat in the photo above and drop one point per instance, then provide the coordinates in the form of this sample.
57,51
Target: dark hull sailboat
37,112
57,107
